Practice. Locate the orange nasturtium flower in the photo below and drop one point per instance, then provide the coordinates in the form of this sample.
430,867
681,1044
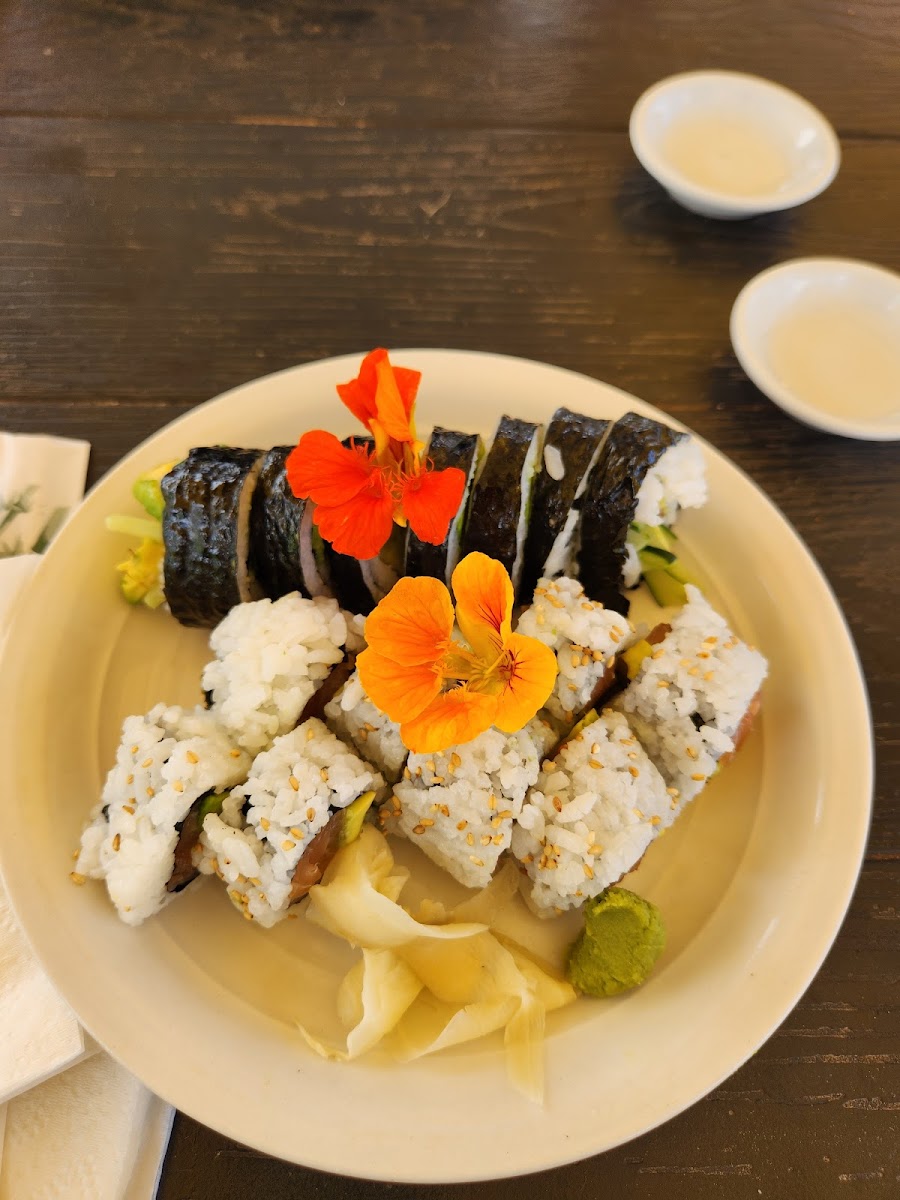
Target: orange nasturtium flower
443,691
361,490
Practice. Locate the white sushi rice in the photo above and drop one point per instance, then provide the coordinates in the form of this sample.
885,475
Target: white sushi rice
458,806
293,789
584,636
165,761
355,719
688,699
591,815
270,658
677,480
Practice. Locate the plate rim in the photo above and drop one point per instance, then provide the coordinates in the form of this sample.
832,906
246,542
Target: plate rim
564,1155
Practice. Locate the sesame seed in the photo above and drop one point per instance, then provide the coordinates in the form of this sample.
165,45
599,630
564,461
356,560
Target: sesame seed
576,660
547,766
431,767
310,815
294,782
505,814
248,916
78,878
658,653
418,829
148,762
699,778
485,839
702,654
655,820
369,727
616,633
633,771
130,780
235,753
287,844
117,841
264,822
637,812
587,606
632,754
324,774
427,821
178,785
364,735
557,804
673,791
691,752
292,917
129,809
297,833
596,765
496,821
406,773
529,858
470,838
711,640
438,779
310,734
663,683
479,862
611,661
461,824
694,671
709,675
540,615
191,756
588,870
498,839
445,811
150,791
492,802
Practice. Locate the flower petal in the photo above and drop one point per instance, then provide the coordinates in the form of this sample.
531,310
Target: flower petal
450,719
320,469
413,623
362,525
532,669
431,500
407,385
391,410
484,601
400,691
359,393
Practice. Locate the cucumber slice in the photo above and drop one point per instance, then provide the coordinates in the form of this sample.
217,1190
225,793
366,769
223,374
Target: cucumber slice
665,589
653,559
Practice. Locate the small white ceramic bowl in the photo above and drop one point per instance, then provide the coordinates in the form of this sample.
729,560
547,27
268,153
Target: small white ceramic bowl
729,145
821,337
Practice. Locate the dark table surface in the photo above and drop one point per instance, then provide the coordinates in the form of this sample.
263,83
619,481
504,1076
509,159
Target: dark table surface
198,193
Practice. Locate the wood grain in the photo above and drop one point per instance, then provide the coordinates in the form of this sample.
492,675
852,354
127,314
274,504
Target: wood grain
195,194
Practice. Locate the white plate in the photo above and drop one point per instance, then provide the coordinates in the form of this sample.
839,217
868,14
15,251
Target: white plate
821,337
753,881
728,145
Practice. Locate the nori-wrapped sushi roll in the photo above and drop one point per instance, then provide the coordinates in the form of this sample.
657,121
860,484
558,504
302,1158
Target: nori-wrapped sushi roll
447,448
571,449
206,531
501,498
275,519
645,472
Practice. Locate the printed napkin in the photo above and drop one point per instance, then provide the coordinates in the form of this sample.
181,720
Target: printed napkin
93,1132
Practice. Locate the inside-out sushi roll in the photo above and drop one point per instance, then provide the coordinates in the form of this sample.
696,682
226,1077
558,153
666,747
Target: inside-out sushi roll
645,474
206,533
279,830
270,658
501,498
584,636
447,448
376,738
458,806
590,816
571,448
167,762
693,696
276,515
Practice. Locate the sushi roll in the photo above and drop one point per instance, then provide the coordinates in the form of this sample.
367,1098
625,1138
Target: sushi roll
374,736
271,656
276,516
501,498
304,797
458,806
571,449
589,817
693,696
645,474
584,636
206,533
168,762
447,448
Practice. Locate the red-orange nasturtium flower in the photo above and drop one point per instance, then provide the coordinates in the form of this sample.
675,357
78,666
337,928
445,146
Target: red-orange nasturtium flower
442,691
361,490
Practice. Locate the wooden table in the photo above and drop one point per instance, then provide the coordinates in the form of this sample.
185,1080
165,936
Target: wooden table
195,194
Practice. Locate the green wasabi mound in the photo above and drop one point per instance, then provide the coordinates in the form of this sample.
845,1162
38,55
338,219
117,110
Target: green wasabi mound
623,936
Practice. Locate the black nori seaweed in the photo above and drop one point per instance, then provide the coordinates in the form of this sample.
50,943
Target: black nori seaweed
447,448
576,437
493,521
200,530
275,528
634,445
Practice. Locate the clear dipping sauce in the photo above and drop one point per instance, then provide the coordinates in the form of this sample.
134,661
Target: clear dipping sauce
839,358
729,153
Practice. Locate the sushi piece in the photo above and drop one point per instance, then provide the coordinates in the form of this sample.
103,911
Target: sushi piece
206,532
645,474
276,515
271,656
458,806
501,498
693,696
167,761
590,816
374,736
584,636
447,448
304,797
571,449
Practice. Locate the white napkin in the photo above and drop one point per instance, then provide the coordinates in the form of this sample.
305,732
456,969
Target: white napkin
94,1132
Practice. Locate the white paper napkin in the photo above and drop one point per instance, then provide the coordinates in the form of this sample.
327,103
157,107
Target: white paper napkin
93,1132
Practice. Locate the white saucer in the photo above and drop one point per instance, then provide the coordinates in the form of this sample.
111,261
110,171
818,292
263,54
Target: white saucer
729,145
821,337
